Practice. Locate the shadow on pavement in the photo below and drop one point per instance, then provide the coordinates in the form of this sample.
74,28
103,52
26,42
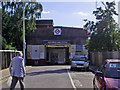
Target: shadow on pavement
80,70
91,69
47,72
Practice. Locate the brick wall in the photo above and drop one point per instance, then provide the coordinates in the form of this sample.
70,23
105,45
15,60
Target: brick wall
75,35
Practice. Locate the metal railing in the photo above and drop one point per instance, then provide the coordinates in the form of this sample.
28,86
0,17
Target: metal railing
5,57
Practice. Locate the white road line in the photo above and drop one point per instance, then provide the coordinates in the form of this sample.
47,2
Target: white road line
71,79
78,83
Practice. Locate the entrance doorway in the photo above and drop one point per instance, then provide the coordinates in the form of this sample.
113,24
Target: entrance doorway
57,55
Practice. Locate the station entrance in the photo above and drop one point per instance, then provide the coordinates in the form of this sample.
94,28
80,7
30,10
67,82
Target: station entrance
57,55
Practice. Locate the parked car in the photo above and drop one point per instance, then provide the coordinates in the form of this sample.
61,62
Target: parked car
108,76
79,61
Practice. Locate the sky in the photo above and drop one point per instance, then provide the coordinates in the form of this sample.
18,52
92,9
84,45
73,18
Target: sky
70,14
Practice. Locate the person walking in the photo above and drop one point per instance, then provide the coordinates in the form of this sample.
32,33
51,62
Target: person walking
17,71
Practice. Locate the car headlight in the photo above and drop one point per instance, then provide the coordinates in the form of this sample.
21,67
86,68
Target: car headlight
73,64
86,64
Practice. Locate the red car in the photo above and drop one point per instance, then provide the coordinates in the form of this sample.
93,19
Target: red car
107,77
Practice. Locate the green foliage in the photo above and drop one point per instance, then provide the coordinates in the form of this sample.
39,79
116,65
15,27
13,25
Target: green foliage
5,46
4,43
12,21
9,47
104,33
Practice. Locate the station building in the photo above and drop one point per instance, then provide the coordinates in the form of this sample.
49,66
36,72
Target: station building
50,44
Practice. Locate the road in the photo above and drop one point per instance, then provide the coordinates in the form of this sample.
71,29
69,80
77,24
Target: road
56,76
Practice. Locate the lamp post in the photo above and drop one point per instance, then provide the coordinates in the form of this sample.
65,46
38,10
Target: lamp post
24,45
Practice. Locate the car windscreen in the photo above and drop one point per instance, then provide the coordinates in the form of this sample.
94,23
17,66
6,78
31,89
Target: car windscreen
79,59
113,70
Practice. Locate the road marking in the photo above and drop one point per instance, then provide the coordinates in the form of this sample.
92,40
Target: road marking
78,83
71,79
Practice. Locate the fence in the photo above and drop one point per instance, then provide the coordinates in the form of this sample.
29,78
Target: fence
5,57
97,58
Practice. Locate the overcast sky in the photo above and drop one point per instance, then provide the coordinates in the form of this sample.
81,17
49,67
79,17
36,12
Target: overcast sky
71,13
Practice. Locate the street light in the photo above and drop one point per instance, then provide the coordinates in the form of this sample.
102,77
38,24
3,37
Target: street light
24,45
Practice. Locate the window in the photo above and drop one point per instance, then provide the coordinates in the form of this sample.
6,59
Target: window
113,70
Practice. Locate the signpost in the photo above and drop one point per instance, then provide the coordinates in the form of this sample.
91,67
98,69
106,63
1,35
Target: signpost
57,31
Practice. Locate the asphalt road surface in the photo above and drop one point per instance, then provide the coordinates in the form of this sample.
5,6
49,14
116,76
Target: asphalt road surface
56,76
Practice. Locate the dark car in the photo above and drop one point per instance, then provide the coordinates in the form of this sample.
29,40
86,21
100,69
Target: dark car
107,77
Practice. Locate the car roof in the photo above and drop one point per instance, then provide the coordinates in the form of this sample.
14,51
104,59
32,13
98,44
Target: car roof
113,60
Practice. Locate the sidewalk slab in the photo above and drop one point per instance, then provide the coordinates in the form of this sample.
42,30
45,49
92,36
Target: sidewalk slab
4,73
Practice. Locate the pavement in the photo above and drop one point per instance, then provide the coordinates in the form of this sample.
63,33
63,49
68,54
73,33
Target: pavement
38,74
5,73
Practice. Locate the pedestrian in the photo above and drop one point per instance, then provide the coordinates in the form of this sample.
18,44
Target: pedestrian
17,71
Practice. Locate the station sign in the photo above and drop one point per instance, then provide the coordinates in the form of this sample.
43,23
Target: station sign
79,47
56,42
57,46
57,31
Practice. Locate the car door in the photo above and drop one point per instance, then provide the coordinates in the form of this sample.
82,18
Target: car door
99,81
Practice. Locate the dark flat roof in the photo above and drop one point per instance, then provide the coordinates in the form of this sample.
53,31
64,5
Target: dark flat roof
67,27
44,22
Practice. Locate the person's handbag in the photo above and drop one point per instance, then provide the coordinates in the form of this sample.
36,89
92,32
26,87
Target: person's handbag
9,81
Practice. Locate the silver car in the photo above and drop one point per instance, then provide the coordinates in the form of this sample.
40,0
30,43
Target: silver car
79,62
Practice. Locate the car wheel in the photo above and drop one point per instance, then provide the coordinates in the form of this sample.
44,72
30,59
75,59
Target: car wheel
71,68
87,68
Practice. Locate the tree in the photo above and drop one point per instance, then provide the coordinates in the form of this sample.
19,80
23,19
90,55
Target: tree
0,29
12,21
102,33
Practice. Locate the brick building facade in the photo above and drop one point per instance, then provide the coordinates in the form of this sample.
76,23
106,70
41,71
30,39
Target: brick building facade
54,44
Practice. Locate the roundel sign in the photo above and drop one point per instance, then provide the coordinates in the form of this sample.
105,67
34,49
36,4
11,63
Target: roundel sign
57,31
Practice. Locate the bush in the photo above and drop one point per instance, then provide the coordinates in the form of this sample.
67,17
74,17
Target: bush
9,47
